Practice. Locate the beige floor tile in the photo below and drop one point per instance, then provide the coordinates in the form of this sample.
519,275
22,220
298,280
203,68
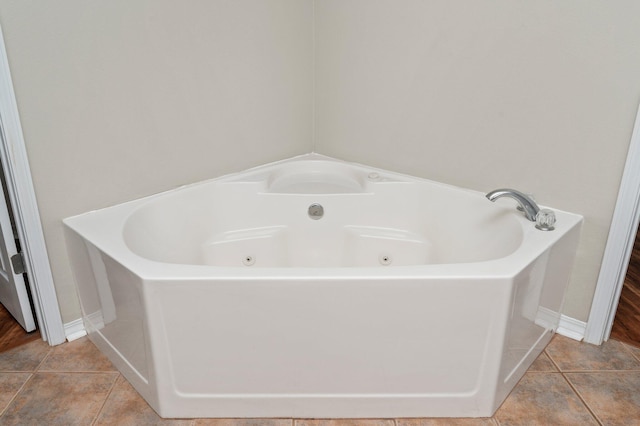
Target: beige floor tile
10,384
76,356
126,407
445,422
244,422
59,399
570,355
75,384
614,397
543,399
344,422
24,358
543,364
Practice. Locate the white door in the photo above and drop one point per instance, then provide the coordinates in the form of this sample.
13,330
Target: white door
13,289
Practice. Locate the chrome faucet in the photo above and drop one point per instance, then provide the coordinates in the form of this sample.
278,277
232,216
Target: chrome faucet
529,206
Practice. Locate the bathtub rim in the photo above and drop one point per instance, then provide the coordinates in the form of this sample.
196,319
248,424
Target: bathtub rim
110,242
109,238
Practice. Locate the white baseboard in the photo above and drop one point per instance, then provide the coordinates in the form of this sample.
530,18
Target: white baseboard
571,328
74,330
567,326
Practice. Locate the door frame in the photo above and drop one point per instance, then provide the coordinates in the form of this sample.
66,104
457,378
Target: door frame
619,246
13,155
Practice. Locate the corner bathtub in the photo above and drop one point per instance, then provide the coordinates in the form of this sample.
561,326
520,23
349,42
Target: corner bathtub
406,298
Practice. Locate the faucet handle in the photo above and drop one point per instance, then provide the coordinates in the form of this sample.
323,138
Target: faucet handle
545,219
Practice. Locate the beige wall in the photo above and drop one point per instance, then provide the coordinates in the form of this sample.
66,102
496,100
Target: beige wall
121,99
537,95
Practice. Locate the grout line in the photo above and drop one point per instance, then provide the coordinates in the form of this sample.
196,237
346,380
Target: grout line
63,371
4,410
113,386
588,370
494,418
78,371
37,369
631,370
575,391
629,350
555,364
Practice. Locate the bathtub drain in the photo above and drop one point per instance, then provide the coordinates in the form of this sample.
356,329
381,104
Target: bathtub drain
385,259
248,260
316,211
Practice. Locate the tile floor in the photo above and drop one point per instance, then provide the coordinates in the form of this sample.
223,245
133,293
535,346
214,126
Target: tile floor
571,383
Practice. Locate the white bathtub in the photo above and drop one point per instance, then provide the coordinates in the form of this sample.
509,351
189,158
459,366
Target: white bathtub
407,298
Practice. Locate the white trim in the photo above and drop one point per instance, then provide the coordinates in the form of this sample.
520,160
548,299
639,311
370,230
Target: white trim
619,246
25,209
571,327
567,326
74,330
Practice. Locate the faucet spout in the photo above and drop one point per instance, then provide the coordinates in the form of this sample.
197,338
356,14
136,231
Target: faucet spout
529,206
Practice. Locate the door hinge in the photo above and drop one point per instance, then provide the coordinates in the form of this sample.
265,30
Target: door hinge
17,262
